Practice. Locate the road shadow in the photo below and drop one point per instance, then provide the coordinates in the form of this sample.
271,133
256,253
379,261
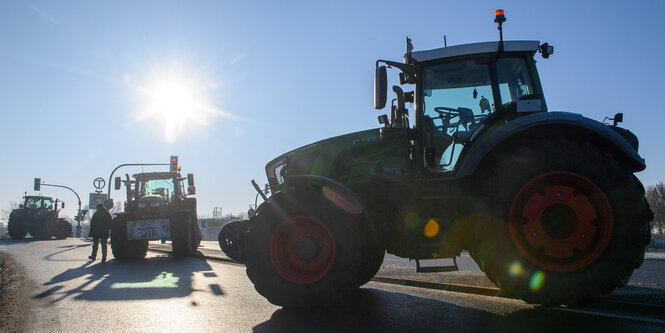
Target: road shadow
51,257
11,241
159,277
374,310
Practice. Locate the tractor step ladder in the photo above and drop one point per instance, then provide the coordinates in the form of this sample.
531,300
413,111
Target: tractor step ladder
433,269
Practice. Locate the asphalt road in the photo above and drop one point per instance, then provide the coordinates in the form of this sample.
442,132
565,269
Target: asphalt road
161,293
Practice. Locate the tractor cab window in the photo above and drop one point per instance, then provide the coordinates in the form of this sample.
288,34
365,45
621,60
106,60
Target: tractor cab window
32,203
47,203
457,97
157,188
514,79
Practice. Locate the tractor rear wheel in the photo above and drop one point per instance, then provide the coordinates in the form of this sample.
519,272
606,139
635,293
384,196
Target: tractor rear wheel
123,248
230,241
302,250
17,225
44,227
62,229
562,222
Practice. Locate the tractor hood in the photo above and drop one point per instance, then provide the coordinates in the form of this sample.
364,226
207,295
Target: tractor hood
346,158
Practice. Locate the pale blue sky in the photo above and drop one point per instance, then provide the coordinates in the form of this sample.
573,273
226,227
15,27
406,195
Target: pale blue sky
73,77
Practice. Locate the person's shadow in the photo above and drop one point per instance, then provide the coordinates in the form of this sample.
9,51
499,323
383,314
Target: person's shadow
153,278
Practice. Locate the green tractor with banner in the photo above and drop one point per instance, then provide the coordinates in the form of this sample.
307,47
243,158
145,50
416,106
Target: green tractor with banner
38,215
157,208
545,202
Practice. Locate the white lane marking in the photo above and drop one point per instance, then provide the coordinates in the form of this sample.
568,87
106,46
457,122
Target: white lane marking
612,315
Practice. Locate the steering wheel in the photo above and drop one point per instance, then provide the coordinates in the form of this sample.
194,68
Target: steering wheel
446,113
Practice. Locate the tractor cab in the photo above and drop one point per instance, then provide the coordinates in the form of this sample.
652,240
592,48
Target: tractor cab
460,91
37,202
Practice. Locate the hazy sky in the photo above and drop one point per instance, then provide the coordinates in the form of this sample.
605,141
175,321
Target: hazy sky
79,81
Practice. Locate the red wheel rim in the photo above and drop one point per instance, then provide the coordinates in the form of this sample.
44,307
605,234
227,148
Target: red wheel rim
302,250
561,221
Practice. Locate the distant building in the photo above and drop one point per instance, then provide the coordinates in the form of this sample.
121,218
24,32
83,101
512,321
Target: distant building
210,227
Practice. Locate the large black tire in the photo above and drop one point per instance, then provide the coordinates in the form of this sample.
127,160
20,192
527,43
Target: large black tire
561,222
301,250
195,235
230,241
121,247
44,227
62,229
181,235
17,225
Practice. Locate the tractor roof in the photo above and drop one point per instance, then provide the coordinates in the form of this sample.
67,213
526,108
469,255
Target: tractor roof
37,197
475,48
156,175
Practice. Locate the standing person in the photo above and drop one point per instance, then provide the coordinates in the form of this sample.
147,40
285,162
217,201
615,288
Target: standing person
99,231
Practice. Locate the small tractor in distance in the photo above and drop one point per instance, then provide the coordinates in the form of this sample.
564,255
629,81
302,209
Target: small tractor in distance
38,216
545,202
157,208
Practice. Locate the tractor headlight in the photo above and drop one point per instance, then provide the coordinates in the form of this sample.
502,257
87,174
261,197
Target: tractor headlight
276,171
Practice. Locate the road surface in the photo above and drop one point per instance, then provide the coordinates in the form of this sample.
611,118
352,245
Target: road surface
165,294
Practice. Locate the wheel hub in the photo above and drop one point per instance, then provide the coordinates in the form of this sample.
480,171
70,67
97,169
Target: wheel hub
561,221
302,250
306,248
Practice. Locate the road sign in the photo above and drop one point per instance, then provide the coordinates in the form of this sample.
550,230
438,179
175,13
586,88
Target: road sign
99,183
96,199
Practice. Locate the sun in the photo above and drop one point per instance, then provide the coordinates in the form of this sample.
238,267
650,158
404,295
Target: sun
180,103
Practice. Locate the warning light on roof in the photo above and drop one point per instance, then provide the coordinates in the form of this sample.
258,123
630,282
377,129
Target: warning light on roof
499,16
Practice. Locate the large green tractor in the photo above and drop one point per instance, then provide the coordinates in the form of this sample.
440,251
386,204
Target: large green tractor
545,202
38,216
157,208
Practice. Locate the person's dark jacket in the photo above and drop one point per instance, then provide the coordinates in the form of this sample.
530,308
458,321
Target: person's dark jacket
100,224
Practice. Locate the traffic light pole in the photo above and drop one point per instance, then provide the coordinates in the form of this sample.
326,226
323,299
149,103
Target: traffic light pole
69,188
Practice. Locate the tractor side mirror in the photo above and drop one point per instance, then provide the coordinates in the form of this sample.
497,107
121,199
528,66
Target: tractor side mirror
618,118
62,205
383,120
118,182
380,87
20,206
190,179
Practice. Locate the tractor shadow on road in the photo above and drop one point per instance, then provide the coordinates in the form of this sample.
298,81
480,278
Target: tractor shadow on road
152,278
374,310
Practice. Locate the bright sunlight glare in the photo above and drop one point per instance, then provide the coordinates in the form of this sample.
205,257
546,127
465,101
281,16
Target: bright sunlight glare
180,104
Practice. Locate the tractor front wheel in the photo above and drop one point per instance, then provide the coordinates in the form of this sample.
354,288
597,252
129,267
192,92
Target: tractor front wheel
62,229
123,248
302,250
562,223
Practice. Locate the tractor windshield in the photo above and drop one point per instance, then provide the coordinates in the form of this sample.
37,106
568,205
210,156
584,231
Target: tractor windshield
36,203
157,187
458,97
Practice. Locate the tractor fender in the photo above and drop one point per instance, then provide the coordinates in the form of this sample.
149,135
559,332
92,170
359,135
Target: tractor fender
348,195
576,122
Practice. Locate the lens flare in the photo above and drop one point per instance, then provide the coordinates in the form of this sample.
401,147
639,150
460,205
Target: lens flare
431,228
412,220
537,281
341,201
515,269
